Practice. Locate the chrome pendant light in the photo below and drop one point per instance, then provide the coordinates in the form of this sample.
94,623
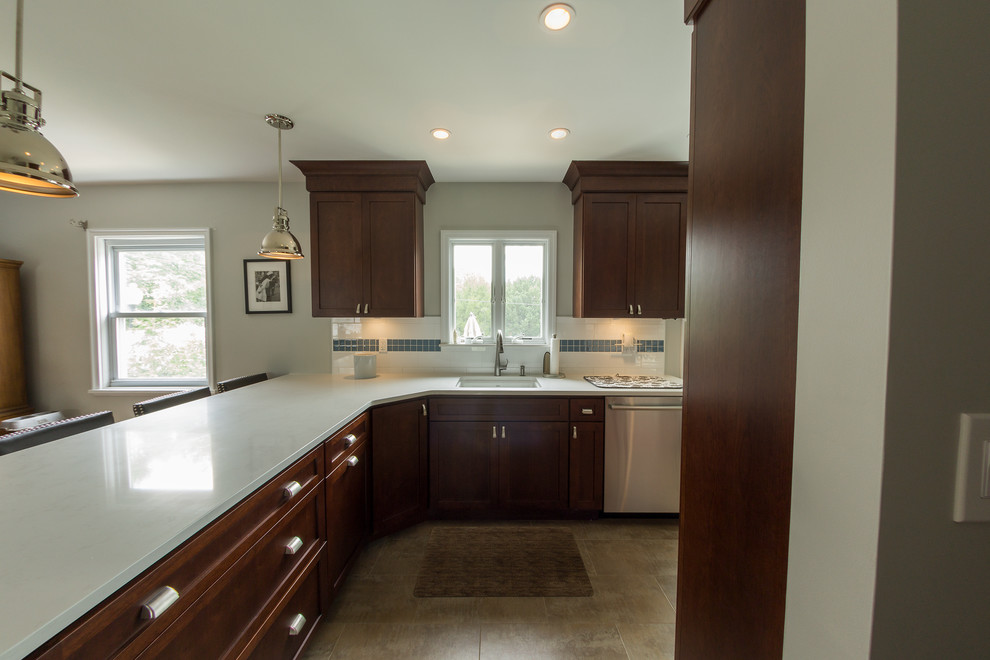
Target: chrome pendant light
29,163
279,243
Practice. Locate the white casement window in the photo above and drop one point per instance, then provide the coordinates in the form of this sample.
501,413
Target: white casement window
151,308
498,280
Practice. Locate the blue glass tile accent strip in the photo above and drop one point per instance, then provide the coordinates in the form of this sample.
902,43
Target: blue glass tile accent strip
590,345
355,345
649,345
414,345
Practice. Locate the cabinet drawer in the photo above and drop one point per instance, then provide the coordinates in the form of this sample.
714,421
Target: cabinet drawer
588,410
189,570
287,633
498,408
341,443
225,618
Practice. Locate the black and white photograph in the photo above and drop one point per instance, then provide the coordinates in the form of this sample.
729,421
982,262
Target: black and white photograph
267,288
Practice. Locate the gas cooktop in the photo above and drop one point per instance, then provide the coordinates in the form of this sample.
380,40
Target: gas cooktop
629,382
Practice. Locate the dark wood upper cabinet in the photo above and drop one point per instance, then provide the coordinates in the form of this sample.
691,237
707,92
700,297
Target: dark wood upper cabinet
366,229
630,237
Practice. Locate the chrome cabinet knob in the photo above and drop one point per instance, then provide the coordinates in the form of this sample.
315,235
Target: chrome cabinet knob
160,601
587,411
296,625
350,439
293,546
291,489
639,309
357,310
365,308
352,461
630,310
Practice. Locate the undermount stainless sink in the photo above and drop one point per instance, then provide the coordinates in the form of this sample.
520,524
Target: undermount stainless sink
485,382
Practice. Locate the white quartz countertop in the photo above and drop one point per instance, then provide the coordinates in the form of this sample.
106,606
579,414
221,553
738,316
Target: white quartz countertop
83,516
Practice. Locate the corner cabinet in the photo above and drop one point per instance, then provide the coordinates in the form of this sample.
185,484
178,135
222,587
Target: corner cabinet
630,238
366,234
399,466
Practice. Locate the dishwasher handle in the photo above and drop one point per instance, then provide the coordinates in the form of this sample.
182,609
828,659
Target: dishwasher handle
621,406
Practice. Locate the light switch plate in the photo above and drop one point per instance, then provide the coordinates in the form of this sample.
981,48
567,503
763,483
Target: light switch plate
972,501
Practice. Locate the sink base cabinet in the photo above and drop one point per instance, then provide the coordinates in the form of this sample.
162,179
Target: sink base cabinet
510,457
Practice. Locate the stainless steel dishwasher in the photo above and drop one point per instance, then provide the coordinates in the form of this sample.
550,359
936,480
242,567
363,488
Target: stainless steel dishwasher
642,454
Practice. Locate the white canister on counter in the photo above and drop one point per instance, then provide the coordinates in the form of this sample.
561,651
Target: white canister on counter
365,365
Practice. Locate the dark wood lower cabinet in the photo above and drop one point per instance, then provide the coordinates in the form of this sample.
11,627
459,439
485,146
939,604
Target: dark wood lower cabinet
513,456
348,512
463,466
400,486
532,466
587,465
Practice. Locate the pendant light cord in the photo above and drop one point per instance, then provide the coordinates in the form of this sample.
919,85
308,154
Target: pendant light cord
279,167
18,45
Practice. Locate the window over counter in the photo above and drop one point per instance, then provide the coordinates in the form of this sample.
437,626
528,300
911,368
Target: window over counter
150,308
498,280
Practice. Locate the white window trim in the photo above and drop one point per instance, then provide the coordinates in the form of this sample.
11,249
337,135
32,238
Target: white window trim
97,243
447,239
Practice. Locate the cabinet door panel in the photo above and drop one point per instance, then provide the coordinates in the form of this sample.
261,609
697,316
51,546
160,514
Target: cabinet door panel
393,248
661,223
399,466
533,465
347,512
607,238
463,466
336,238
587,464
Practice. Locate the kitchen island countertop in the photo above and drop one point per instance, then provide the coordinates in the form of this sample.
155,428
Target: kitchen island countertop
83,516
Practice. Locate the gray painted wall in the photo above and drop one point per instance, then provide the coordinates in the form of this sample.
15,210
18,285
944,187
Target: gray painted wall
933,575
894,320
56,294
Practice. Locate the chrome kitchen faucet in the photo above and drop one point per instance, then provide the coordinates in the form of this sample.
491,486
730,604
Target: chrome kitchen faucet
499,363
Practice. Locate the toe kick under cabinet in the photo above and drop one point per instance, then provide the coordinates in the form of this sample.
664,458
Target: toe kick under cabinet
251,584
508,456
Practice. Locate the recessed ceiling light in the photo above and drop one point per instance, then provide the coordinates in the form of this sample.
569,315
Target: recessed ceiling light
440,133
559,133
557,16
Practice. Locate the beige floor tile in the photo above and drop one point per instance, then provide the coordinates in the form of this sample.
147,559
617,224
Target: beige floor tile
669,585
512,610
622,529
400,557
617,599
550,641
374,599
648,641
322,642
627,557
408,641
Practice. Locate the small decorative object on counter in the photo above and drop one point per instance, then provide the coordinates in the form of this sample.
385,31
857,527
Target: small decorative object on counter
365,365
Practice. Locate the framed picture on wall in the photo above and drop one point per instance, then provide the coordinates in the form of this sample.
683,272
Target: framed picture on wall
267,287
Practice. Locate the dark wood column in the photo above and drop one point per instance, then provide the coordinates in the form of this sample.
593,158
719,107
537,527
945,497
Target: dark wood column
744,236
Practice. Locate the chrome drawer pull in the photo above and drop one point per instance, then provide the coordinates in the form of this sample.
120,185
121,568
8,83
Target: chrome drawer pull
630,309
291,489
494,432
587,411
357,310
160,601
365,311
297,625
352,461
424,410
575,433
350,439
639,309
293,546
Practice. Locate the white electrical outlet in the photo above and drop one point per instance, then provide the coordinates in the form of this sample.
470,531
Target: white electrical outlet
972,501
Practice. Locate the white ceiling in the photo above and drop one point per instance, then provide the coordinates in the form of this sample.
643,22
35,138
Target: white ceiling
169,90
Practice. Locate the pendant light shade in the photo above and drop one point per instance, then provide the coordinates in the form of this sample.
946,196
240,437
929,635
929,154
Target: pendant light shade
29,163
279,243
